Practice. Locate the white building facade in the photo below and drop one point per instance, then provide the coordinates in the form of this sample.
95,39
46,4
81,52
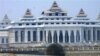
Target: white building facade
54,26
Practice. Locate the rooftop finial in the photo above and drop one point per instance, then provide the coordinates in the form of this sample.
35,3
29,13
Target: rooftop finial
55,7
54,4
98,16
5,17
28,13
81,13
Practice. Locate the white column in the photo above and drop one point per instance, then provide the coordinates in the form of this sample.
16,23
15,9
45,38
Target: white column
96,35
92,34
52,33
26,38
75,32
69,32
31,35
63,36
46,36
38,35
19,36
12,39
58,36
86,35
81,37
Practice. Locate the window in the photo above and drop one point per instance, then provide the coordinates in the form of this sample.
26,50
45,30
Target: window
52,23
52,18
72,37
60,36
33,24
50,14
77,36
46,23
2,40
41,35
56,14
63,14
20,24
63,22
16,36
68,23
41,18
46,18
98,35
57,18
22,36
34,35
87,23
57,23
49,37
29,35
85,35
74,23
55,37
66,37
27,23
89,35
39,23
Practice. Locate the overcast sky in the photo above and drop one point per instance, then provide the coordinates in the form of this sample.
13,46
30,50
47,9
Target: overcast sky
15,9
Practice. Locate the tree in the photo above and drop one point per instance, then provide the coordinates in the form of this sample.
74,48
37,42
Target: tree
55,50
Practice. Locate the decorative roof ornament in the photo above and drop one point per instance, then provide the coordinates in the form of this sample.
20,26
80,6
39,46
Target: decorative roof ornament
55,7
98,16
28,14
6,18
81,13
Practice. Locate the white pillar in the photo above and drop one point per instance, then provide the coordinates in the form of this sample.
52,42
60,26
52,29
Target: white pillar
19,36
58,36
96,35
63,36
46,36
69,32
26,38
12,39
86,34
38,35
31,35
92,34
52,33
75,32
81,36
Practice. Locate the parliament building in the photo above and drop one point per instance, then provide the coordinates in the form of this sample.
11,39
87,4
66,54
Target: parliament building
53,26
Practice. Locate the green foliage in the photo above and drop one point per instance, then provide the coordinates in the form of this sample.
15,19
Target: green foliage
55,50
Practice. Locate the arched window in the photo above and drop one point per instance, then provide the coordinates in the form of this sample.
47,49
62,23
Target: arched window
72,37
41,35
55,37
16,36
89,35
85,35
60,36
98,35
49,37
29,35
77,36
3,40
94,39
22,36
34,36
66,37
